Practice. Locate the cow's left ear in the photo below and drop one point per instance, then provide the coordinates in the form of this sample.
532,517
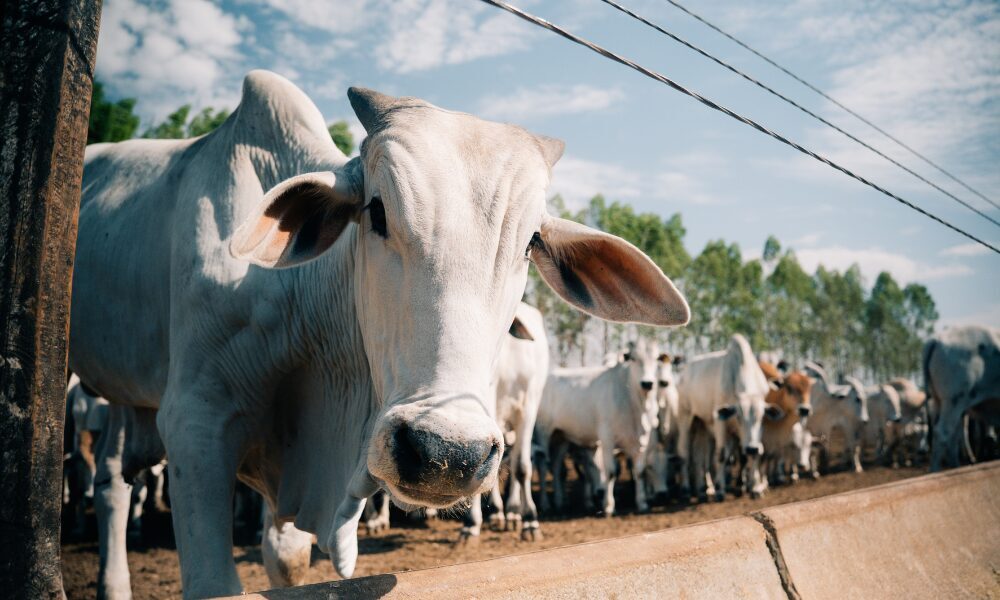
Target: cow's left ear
773,412
775,384
605,276
518,330
300,218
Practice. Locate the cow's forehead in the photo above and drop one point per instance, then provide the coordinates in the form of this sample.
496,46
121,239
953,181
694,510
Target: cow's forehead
433,135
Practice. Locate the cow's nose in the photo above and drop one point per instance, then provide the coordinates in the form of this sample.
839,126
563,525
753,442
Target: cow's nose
805,411
896,419
424,458
752,450
646,385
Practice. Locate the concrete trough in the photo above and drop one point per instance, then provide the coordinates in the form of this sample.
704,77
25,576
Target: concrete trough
936,536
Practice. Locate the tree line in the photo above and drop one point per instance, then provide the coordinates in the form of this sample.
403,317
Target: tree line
828,316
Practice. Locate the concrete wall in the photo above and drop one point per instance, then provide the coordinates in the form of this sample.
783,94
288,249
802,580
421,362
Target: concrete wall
936,536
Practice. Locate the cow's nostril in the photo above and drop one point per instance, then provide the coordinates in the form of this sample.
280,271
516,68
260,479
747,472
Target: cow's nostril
408,453
646,385
804,411
752,450
484,467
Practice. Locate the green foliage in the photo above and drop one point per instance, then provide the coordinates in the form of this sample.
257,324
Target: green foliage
110,121
206,121
176,125
342,137
827,316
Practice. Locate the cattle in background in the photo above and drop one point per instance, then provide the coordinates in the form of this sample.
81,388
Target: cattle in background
838,407
962,376
86,414
783,449
603,408
882,431
332,336
522,368
663,447
913,431
726,391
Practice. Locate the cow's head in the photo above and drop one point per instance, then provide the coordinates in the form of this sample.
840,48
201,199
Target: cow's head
750,386
642,361
667,395
444,211
857,398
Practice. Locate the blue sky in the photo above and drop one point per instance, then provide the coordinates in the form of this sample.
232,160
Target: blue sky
929,72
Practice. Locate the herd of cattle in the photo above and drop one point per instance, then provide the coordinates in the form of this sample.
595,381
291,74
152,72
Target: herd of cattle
255,306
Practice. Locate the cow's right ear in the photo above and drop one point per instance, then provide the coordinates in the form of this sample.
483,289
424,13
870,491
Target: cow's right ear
775,384
300,218
605,276
726,412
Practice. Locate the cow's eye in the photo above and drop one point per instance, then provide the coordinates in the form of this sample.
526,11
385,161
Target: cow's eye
376,212
535,241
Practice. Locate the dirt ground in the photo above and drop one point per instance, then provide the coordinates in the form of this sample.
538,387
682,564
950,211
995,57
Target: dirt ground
417,545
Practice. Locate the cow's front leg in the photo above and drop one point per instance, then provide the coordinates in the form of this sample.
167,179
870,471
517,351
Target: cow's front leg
720,460
499,522
608,477
520,502
203,449
683,450
856,453
557,465
638,471
473,522
286,551
377,520
112,503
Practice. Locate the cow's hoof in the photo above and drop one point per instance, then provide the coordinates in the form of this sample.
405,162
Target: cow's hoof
643,509
513,522
497,522
608,512
720,496
531,532
859,469
376,526
755,495
661,498
702,497
468,537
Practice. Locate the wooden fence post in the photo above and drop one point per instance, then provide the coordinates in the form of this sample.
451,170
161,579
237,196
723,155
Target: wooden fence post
48,49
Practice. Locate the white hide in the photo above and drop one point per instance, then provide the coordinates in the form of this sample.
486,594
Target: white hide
601,407
366,365
843,407
726,391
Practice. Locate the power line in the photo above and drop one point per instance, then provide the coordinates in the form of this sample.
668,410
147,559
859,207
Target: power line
835,101
711,104
805,110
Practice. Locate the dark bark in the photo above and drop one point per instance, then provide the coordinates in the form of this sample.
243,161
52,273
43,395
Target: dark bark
46,74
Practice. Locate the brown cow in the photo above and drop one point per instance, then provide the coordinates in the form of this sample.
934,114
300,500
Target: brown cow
786,441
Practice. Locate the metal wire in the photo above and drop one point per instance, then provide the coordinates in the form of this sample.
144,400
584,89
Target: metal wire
712,104
834,101
805,110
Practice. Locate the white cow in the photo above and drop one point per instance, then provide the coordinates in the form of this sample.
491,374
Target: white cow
882,431
329,337
663,447
725,390
912,428
600,407
522,368
843,407
962,375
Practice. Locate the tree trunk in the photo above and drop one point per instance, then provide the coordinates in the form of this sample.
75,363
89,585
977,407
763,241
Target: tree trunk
48,50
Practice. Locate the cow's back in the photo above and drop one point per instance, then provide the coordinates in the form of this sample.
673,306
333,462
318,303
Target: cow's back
121,282
153,271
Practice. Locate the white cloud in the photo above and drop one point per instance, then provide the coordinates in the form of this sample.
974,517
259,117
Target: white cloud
970,249
548,100
577,180
179,49
405,36
873,261
809,239
989,316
